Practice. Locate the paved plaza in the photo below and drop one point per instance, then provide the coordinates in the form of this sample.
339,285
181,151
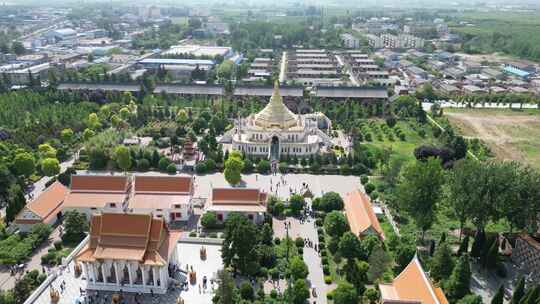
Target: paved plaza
189,256
318,184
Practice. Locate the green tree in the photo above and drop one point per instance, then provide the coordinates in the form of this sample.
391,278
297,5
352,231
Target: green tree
67,135
226,288
404,254
335,224
47,151
442,263
263,166
463,246
16,202
379,261
498,298
419,190
331,201
492,256
470,299
299,292
239,245
233,167
93,122
50,166
296,203
372,295
345,293
298,268
519,291
88,133
122,156
461,182
458,284
75,226
246,291
356,274
350,247
209,220
225,70
24,164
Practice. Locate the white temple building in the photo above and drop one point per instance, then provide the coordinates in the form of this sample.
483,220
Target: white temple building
276,131
128,252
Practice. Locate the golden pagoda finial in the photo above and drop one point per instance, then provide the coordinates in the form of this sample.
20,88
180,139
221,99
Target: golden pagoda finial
275,95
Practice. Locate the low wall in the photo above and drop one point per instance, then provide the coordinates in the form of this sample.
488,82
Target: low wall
197,240
65,262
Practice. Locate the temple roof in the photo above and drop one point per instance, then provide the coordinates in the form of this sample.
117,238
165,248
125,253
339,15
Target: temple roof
276,113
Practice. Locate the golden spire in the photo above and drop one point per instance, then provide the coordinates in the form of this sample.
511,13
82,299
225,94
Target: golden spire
276,113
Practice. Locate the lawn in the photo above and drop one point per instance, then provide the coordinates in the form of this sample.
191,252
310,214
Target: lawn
414,135
510,134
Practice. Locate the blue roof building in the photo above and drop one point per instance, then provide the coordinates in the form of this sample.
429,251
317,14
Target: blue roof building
517,72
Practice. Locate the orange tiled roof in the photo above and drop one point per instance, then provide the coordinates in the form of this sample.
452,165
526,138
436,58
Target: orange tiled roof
47,204
360,214
238,195
99,183
121,236
237,199
412,285
163,184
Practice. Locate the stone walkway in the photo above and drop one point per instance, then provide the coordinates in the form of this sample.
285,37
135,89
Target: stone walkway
307,230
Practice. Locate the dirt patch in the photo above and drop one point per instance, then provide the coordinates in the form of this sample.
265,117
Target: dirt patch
510,136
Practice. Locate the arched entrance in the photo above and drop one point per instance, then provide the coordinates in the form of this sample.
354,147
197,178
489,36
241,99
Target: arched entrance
274,148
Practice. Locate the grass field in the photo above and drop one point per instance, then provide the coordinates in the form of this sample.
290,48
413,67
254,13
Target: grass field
510,134
403,149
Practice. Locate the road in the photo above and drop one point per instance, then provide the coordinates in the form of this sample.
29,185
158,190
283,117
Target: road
488,105
7,281
349,71
283,67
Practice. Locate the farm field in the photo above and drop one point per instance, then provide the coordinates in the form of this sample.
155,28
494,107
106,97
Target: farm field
510,134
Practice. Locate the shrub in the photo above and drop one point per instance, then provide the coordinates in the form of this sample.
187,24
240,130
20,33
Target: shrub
321,238
200,168
323,252
324,260
364,179
300,250
193,234
143,164
320,230
326,269
330,296
374,195
58,245
277,241
391,121
171,169
274,273
263,272
369,188
328,279
319,222
246,291
299,242
273,294
163,163
368,137
209,220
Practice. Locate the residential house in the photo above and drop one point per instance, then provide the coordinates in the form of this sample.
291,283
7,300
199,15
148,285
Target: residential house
526,254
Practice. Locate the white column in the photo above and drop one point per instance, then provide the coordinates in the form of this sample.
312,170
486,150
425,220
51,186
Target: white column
164,272
130,274
86,272
154,276
104,274
115,265
143,272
